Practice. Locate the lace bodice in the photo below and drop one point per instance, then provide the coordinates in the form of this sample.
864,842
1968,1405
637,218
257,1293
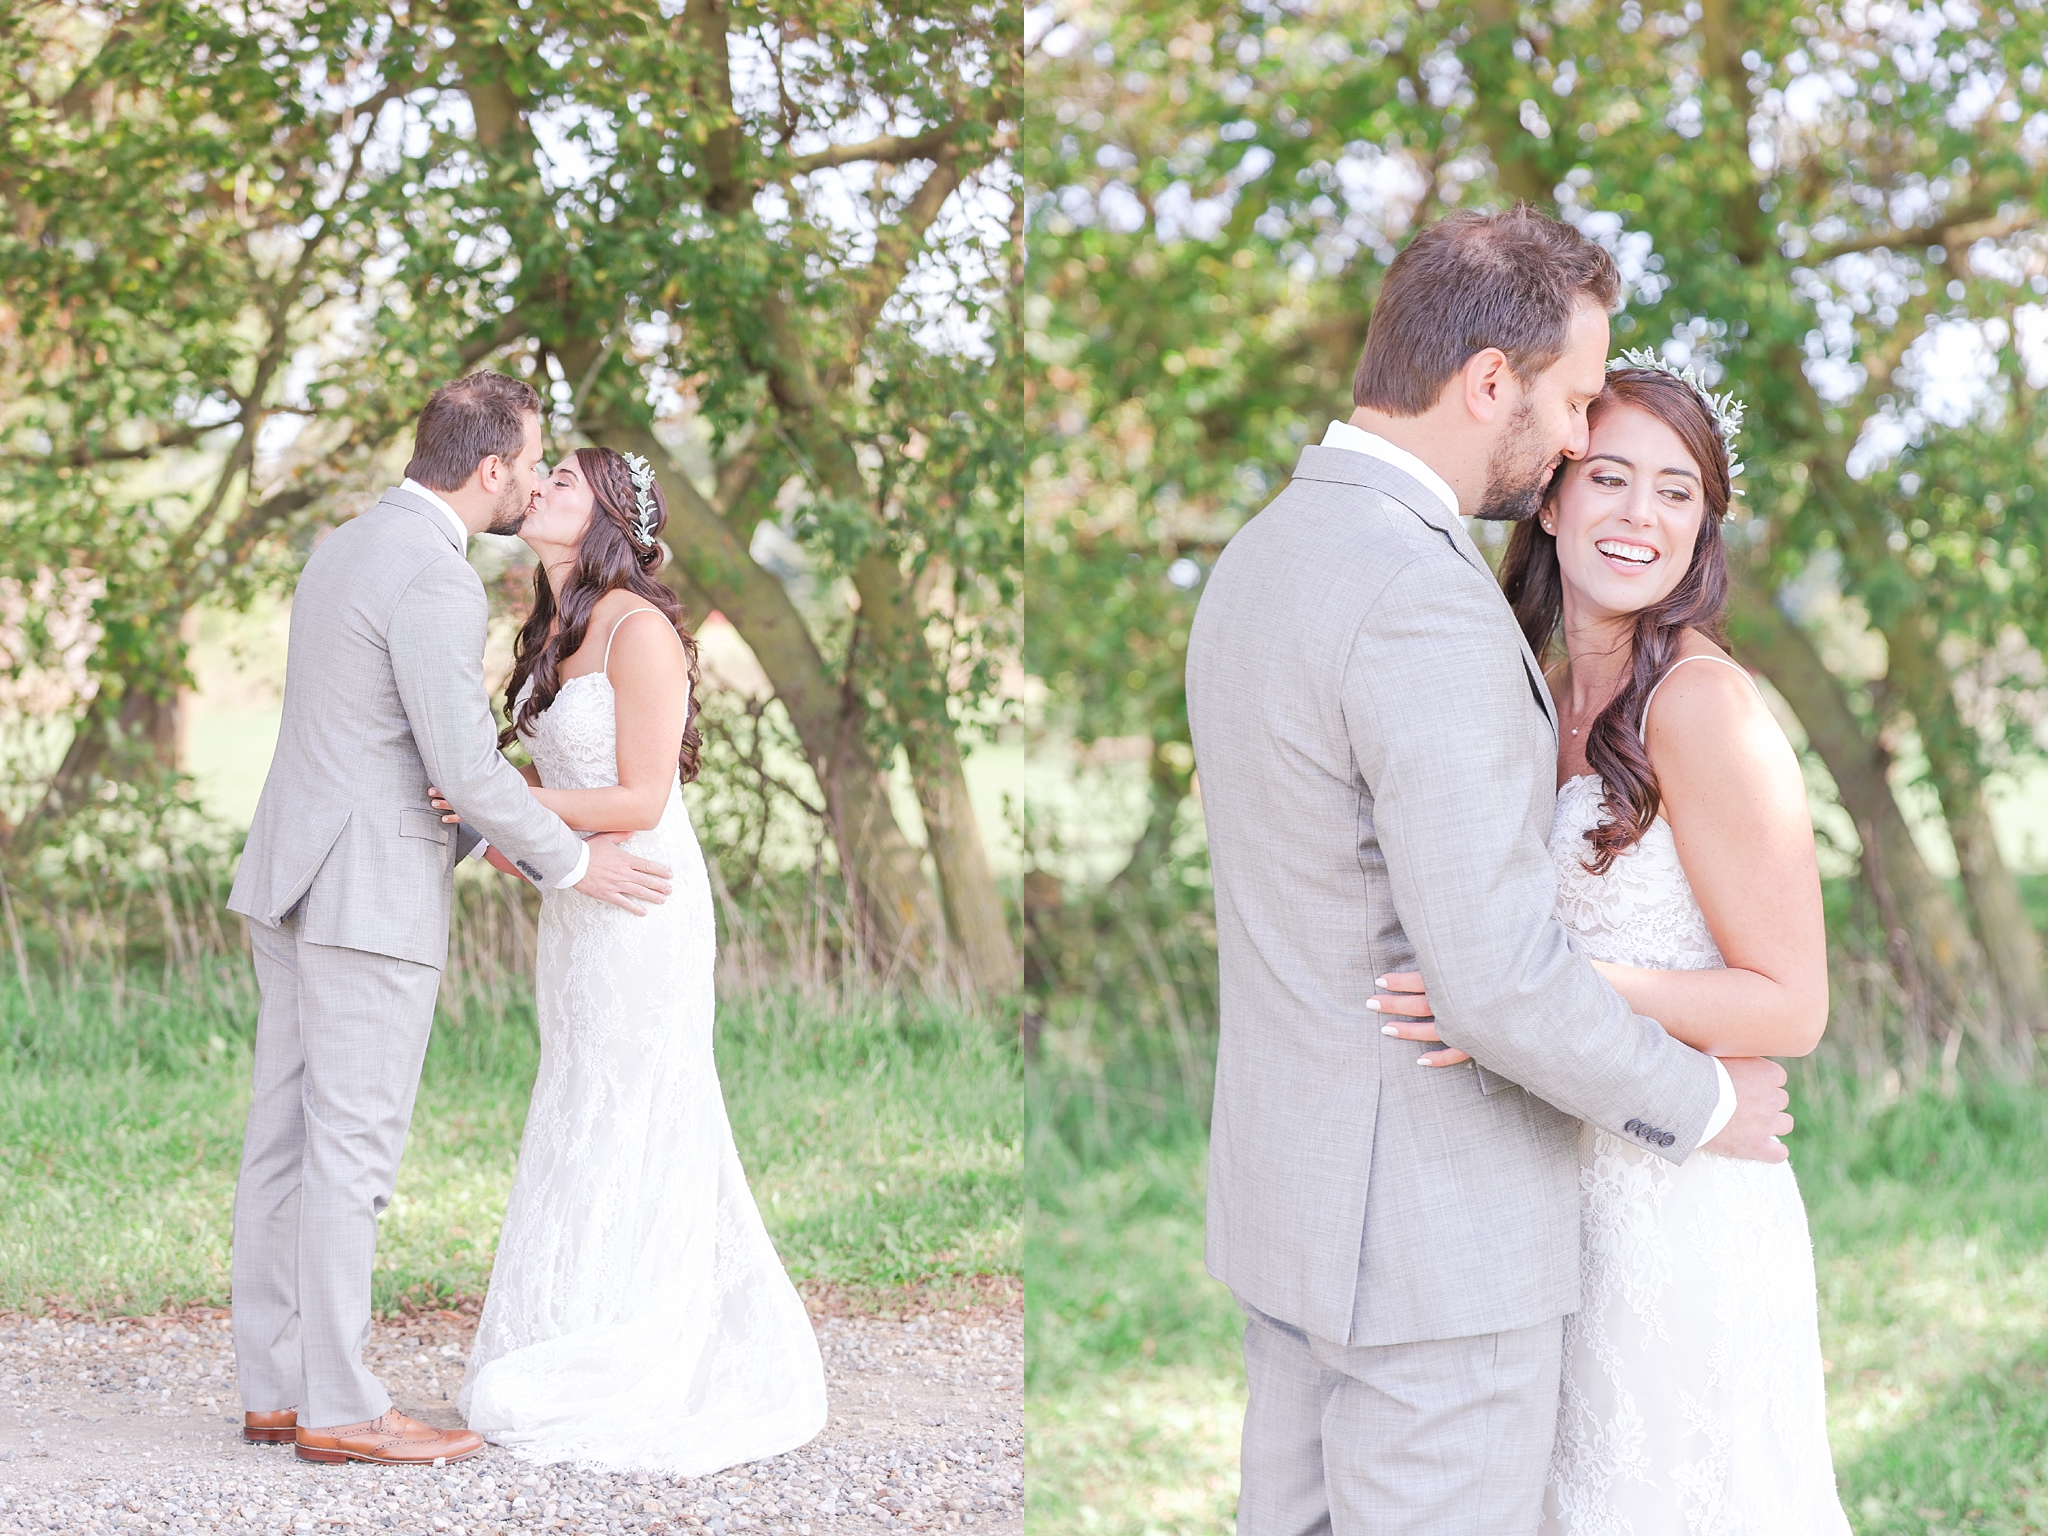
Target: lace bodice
1642,911
574,742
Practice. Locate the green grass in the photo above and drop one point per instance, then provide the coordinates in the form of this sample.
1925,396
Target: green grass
1930,1222
882,1140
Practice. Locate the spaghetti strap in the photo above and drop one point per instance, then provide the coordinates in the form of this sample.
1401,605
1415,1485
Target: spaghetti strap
606,668
1643,729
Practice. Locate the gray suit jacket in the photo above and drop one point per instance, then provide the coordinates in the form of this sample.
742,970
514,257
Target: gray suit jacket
384,695
1377,760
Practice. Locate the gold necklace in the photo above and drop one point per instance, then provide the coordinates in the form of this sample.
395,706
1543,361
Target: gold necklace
1566,664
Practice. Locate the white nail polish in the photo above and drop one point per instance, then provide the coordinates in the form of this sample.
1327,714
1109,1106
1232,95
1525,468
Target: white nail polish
1373,1003
1388,1029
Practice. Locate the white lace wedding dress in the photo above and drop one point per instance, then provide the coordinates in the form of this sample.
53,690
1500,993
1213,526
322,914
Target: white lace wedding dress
1692,1397
638,1317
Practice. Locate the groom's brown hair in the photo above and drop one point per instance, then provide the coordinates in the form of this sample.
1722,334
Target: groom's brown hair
477,417
1472,281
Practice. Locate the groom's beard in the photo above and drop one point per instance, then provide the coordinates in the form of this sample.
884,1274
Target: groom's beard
1515,478
509,515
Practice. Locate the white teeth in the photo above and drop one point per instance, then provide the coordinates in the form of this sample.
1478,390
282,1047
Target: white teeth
1635,554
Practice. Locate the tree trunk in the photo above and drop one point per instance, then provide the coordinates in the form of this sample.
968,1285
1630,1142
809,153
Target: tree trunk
1921,682
1166,788
2008,936
975,918
1933,953
119,735
979,926
882,868
889,612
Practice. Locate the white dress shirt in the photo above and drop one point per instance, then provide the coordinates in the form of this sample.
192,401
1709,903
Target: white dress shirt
483,845
1342,434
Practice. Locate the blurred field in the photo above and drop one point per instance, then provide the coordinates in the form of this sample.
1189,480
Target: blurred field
1930,1221
882,1141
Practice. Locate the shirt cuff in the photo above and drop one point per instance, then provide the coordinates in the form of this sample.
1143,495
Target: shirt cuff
483,846
1723,1111
575,877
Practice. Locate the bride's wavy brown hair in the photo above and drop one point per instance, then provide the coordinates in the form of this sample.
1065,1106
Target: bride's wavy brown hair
1535,590
607,558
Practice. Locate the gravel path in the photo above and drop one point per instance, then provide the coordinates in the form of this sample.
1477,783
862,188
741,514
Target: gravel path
132,1424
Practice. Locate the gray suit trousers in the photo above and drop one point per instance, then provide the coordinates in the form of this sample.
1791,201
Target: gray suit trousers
340,1038
1450,1437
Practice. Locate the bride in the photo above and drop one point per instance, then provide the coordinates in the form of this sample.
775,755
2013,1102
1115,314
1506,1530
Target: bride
1692,1383
638,1317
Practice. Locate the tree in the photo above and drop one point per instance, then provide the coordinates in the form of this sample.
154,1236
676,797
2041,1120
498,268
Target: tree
762,245
162,266
1806,201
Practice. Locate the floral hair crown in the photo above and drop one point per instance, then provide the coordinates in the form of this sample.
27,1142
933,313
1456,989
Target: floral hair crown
643,499
1725,408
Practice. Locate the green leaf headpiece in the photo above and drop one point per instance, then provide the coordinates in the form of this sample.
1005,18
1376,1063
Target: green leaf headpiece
643,499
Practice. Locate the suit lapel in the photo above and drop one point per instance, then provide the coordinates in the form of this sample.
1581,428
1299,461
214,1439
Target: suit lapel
1362,469
1537,685
399,496
1348,468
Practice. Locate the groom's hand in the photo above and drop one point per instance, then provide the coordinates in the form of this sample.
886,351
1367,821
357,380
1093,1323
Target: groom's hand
624,879
1760,1117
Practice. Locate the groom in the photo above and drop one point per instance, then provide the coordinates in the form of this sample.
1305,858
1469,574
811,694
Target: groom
346,882
1377,754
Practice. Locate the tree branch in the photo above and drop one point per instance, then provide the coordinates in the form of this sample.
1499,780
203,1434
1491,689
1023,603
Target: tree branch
301,490
1978,219
1725,38
84,457
724,191
895,248
889,149
487,338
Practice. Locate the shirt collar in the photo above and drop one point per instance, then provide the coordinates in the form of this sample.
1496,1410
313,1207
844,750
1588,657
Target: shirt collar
1344,435
461,528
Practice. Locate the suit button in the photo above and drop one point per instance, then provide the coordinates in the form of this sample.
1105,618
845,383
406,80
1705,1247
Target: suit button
1633,1126
1666,1139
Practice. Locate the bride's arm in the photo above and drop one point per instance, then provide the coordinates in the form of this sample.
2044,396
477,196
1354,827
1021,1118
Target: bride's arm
651,683
1736,801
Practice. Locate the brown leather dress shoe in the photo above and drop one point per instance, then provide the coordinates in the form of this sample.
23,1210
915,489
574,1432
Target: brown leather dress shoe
392,1440
279,1428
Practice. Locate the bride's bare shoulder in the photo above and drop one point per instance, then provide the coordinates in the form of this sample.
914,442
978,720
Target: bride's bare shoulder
635,644
1708,722
1704,686
613,606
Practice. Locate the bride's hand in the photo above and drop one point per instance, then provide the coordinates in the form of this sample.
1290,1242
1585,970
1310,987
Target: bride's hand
1401,993
441,804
